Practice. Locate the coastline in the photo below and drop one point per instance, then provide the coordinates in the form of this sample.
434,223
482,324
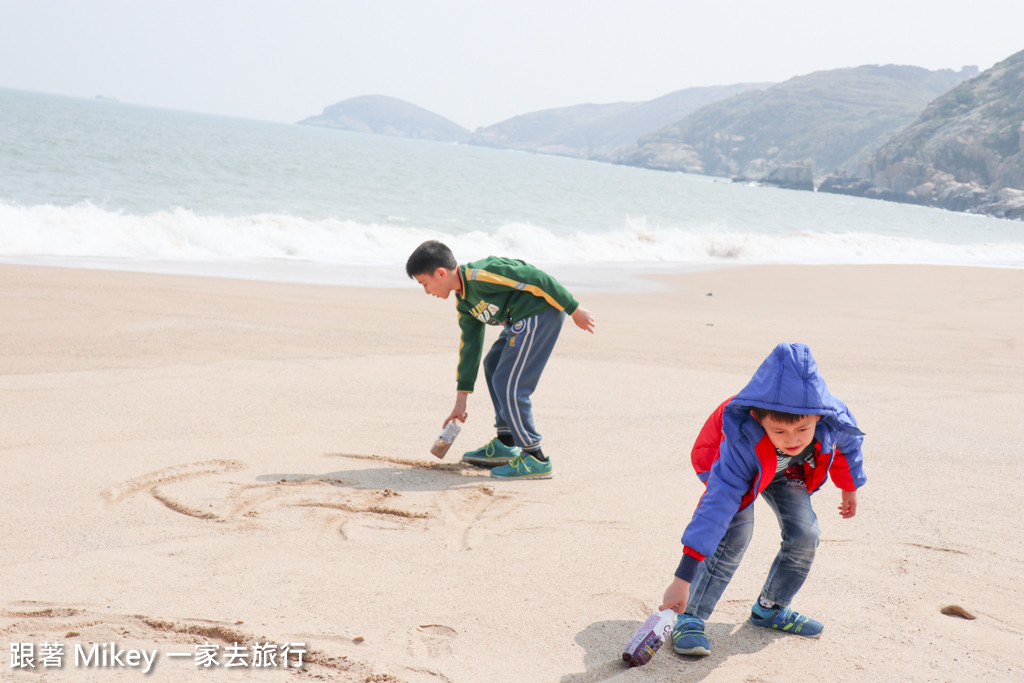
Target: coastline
192,459
589,277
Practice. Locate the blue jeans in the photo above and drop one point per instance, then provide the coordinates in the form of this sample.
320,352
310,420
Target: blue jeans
791,502
512,368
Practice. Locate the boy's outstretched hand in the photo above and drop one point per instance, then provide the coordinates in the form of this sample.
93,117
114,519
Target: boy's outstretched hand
676,595
583,319
848,507
459,411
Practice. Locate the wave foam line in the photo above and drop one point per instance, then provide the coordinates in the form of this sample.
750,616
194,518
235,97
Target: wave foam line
87,231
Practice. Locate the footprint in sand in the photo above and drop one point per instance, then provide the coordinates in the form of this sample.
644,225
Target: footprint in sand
432,640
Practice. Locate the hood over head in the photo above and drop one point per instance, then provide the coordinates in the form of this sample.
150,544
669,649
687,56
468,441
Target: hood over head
788,381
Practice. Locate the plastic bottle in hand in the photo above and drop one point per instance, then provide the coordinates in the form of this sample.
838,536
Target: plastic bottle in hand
447,437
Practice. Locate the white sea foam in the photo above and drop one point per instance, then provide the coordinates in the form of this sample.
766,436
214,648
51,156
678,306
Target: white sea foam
275,246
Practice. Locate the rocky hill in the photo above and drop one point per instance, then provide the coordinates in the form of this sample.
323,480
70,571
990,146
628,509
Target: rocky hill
599,131
798,130
953,139
388,116
965,152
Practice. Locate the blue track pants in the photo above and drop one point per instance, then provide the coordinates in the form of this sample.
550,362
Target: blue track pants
512,368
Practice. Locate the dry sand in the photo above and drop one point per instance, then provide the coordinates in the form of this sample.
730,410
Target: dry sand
190,461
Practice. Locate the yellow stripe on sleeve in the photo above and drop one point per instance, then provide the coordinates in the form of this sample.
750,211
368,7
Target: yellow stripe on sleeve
494,278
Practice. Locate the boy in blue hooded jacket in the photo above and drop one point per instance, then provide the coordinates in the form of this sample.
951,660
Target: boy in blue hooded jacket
780,437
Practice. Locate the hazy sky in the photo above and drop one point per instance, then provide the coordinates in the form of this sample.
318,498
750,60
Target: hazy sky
476,62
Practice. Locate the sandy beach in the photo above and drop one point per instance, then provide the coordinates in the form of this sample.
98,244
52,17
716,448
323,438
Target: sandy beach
191,461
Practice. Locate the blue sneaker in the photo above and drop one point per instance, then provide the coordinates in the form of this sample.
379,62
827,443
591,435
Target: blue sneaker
688,637
491,454
523,467
786,620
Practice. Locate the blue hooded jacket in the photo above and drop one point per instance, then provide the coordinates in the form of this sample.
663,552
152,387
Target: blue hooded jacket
787,381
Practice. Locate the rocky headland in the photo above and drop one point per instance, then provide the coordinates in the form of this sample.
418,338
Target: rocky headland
796,132
965,152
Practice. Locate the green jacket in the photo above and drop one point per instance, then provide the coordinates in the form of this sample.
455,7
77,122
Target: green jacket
499,291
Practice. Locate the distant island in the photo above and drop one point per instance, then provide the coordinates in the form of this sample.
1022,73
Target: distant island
950,139
388,116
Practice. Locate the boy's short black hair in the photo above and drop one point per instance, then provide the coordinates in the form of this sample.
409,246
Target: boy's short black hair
428,257
777,415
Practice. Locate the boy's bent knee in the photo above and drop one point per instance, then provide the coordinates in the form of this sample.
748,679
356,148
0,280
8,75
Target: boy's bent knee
803,536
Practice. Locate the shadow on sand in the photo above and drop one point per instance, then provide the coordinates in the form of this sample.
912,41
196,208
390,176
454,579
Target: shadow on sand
397,474
603,642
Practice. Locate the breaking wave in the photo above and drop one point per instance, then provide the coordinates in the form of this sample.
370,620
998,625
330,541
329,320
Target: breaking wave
86,231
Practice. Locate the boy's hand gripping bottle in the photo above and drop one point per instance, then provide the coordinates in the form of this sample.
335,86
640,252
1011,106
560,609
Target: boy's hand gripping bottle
444,441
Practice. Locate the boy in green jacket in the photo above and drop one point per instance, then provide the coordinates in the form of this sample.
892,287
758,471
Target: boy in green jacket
531,305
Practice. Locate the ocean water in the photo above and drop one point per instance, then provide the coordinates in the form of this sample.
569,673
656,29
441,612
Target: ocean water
89,183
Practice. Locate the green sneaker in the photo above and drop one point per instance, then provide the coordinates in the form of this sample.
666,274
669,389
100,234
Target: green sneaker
491,454
786,620
523,467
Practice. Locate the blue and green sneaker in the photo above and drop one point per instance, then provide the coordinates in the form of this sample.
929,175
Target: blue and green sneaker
786,620
688,637
523,467
491,454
